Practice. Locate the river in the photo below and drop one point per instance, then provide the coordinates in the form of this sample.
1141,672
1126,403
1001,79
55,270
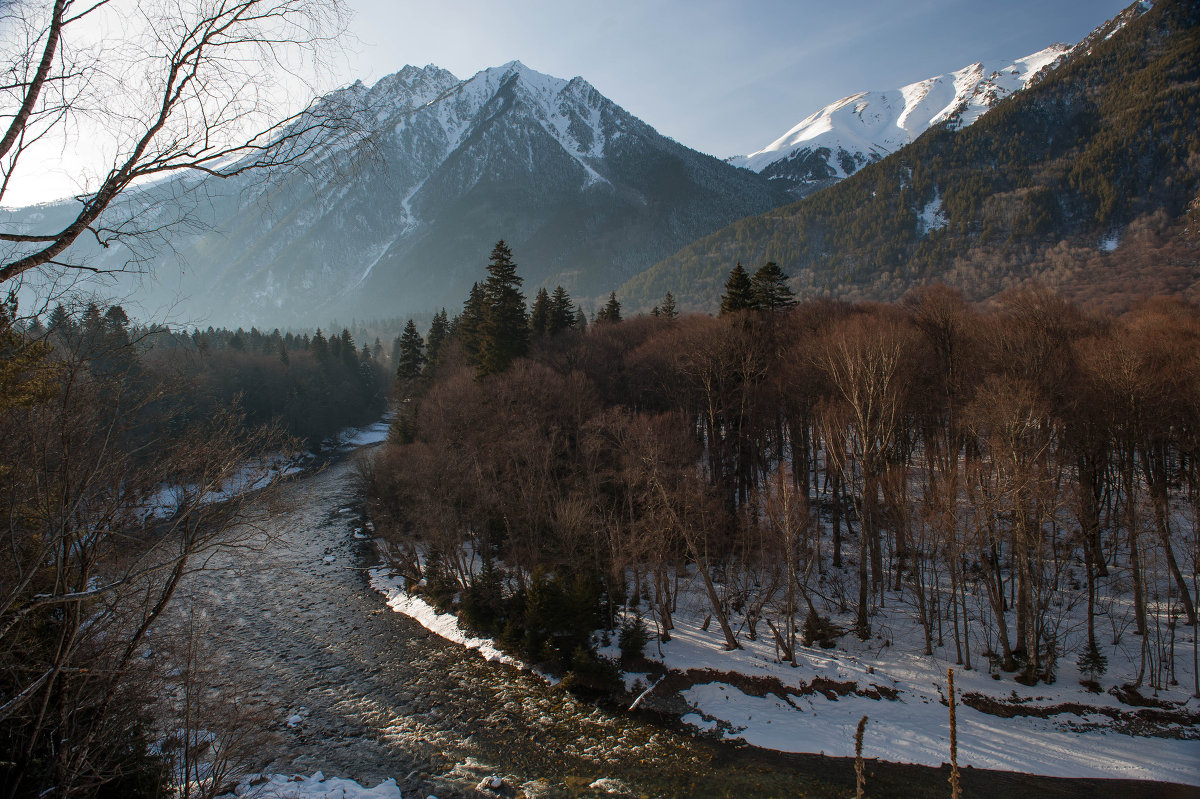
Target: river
371,694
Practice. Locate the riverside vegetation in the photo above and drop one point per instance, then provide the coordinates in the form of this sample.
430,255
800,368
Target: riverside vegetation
993,469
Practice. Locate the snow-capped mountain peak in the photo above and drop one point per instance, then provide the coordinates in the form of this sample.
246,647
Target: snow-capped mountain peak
571,111
842,137
401,215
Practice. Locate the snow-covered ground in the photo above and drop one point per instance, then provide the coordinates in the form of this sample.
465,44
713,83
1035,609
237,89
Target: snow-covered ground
799,712
318,786
915,727
354,437
250,477
257,474
443,624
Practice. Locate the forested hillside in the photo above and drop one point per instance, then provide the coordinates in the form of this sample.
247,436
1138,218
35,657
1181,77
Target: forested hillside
1022,480
1083,181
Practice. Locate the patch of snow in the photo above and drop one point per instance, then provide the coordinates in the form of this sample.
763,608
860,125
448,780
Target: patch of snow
932,218
917,730
443,624
1110,242
382,249
318,786
914,728
169,499
375,433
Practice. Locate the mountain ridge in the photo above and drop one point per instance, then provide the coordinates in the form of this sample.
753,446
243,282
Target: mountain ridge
837,140
1045,186
586,194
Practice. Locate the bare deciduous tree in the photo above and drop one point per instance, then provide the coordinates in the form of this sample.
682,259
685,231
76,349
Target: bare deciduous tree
189,89
98,536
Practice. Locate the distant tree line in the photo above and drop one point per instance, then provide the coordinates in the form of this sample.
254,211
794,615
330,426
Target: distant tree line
989,469
311,385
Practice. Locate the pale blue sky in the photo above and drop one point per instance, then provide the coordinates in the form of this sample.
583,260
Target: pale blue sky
723,77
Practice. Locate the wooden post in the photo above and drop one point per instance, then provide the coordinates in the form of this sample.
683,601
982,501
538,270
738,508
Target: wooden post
955,785
860,770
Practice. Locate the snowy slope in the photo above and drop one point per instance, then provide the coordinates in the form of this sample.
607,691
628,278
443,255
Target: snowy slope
846,135
399,218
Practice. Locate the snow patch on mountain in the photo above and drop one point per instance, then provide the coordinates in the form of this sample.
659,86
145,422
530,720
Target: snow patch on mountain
932,216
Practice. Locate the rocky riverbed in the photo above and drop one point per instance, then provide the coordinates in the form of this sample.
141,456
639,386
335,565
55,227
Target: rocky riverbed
347,687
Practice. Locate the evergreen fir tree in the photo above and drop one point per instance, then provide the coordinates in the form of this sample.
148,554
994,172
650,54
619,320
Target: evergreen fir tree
60,320
505,329
439,329
580,319
769,288
319,347
349,352
410,353
739,294
539,317
667,308
611,312
91,319
468,325
562,315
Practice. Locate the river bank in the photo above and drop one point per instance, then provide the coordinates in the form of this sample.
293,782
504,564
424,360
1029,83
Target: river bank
353,690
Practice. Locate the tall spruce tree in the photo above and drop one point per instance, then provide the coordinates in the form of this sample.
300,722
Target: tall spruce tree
439,329
611,312
562,314
580,319
769,288
539,317
739,294
667,307
505,329
319,347
468,325
410,353
60,320
348,351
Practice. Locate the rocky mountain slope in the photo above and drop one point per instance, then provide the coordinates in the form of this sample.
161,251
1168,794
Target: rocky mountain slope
402,219
848,134
1087,178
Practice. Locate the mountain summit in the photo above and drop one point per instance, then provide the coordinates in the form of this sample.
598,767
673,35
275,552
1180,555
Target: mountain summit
1086,181
585,193
846,135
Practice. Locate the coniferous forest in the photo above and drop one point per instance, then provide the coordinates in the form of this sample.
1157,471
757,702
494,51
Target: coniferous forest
999,472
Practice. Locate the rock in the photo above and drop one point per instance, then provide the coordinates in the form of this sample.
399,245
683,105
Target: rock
493,783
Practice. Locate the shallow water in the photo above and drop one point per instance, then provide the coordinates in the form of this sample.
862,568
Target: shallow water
371,694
